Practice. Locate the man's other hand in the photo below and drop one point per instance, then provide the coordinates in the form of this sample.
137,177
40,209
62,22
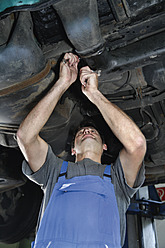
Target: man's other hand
68,68
89,81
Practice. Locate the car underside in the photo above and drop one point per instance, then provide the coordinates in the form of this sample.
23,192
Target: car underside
122,40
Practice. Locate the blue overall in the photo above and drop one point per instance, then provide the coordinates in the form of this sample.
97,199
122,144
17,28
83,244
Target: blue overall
82,212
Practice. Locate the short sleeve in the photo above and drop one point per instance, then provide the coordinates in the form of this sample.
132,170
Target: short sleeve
120,182
51,167
124,192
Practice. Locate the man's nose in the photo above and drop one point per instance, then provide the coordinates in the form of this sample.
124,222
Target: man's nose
86,130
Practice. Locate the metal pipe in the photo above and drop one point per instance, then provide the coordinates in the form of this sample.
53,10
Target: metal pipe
81,23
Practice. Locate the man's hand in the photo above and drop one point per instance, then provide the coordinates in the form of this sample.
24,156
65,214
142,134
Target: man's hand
89,81
68,68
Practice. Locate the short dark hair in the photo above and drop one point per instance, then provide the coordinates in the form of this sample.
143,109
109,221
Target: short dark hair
86,123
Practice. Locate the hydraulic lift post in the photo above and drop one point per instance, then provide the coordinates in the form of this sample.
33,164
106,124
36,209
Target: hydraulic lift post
141,215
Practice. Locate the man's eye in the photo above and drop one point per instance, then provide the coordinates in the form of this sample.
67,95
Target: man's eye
79,133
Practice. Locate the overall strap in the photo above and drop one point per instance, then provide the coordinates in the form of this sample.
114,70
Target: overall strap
63,171
107,171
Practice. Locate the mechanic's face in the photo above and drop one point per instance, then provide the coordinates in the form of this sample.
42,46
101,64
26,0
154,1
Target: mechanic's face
88,138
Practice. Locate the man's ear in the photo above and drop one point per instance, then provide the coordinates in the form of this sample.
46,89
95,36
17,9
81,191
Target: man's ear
105,147
73,152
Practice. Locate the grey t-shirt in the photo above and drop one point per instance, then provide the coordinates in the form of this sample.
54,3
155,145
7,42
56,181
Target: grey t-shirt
47,176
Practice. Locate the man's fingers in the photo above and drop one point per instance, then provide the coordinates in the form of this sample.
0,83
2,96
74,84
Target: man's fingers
71,58
86,71
86,68
86,74
83,79
65,61
67,58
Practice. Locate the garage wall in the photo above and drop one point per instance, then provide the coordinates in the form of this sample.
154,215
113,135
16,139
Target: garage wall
160,225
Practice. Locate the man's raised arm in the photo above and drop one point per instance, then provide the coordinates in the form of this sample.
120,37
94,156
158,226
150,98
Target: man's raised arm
122,126
33,147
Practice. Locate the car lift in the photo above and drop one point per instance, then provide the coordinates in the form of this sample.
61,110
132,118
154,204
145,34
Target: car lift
145,207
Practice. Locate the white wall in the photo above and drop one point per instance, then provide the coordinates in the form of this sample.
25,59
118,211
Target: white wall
160,225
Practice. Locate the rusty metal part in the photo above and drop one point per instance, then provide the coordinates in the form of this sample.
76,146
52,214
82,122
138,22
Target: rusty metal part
140,76
27,82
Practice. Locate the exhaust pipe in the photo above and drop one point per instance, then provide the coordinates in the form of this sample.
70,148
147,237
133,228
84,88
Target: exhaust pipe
81,23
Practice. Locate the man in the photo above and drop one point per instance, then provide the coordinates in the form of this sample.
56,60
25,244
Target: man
82,209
